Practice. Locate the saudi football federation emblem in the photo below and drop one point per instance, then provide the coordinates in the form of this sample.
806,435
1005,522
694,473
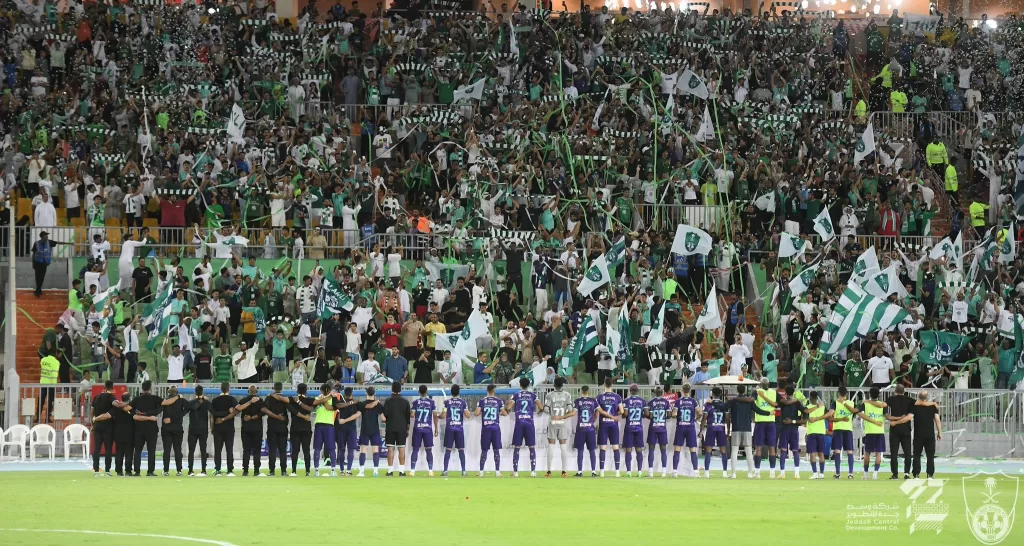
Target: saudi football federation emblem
992,520
691,241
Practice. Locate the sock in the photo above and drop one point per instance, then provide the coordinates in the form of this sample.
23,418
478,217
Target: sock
814,466
693,460
412,463
707,461
771,462
603,456
836,457
564,449
664,458
849,462
351,458
592,458
650,460
462,459
750,459
579,459
615,455
515,460
675,461
533,459
362,461
376,460
725,461
782,461
447,458
877,464
865,467
483,459
629,462
430,460
497,461
735,453
639,461
548,455
757,462
796,460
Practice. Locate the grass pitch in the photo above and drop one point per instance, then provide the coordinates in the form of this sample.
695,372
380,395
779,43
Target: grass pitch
76,508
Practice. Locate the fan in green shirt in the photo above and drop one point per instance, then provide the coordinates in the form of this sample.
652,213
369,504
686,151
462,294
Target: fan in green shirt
855,372
222,365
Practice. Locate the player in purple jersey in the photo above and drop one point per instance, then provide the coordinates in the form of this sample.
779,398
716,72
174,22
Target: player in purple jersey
585,410
716,423
633,436
609,407
455,413
523,405
658,411
490,408
687,414
424,418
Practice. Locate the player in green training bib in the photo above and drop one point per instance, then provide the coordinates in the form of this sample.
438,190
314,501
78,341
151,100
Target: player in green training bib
874,431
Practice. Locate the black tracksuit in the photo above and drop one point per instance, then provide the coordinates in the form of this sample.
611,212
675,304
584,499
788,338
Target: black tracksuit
277,434
124,441
899,435
302,430
252,435
148,405
223,433
173,431
103,431
198,430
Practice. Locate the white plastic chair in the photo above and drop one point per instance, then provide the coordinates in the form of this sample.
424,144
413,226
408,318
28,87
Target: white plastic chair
43,436
76,435
15,437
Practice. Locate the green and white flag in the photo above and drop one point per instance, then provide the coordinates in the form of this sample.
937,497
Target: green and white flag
475,327
617,253
885,282
657,333
447,273
709,318
942,248
1008,248
940,347
800,283
537,375
584,340
690,240
865,146
841,328
866,265
792,246
706,131
823,225
689,83
597,275
236,123
875,314
332,299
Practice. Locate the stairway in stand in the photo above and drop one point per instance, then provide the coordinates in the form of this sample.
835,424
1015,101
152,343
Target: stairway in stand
45,310
709,348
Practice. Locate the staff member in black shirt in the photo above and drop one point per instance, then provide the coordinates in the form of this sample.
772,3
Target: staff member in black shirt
223,410
124,439
345,436
397,411
173,430
302,428
252,431
277,429
144,409
103,427
899,416
927,427
198,429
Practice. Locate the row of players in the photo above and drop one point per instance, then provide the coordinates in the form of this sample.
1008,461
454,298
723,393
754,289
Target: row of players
769,419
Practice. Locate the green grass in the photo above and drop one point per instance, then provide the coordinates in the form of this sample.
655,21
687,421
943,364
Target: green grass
246,511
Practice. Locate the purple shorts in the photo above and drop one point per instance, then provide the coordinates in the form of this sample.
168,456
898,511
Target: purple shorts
659,437
490,438
764,434
422,436
633,438
454,438
369,439
686,436
524,431
874,443
345,437
715,438
815,443
585,437
842,440
789,438
608,434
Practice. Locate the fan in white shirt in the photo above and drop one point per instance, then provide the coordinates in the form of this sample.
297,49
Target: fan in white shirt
738,355
368,369
880,369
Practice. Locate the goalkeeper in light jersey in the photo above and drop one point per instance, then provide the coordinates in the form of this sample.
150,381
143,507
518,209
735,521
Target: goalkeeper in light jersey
558,405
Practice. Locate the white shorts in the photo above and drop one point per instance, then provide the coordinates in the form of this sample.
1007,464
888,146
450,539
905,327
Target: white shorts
558,432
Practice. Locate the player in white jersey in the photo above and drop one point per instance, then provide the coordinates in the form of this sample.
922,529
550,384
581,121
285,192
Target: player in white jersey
558,404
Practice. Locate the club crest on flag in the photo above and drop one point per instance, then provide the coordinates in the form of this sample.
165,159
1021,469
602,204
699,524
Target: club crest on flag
807,276
992,520
861,146
594,274
691,241
860,268
883,281
825,225
694,82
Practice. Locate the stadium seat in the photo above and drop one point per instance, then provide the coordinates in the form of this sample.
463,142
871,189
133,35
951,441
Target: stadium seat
42,436
77,221
14,437
76,435
150,223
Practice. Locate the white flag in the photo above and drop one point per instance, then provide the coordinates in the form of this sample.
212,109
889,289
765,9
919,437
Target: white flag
865,146
943,248
791,245
958,250
512,45
595,277
709,318
885,282
691,84
866,264
476,327
474,91
707,128
799,284
766,202
236,125
823,225
1008,248
690,240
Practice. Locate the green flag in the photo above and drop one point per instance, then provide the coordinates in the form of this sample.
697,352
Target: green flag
332,299
584,340
940,347
1017,375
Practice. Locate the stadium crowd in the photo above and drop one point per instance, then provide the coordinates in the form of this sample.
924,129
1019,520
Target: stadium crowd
444,169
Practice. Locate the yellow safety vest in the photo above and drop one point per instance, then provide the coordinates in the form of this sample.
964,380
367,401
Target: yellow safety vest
899,101
817,427
861,109
877,414
765,406
977,211
886,75
841,412
935,153
325,413
48,368
951,182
